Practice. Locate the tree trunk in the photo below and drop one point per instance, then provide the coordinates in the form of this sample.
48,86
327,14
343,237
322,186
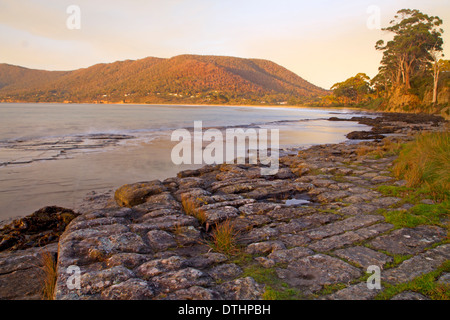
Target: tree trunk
435,87
407,81
435,81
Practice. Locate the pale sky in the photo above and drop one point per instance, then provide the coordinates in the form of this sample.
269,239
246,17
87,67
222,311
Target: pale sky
322,41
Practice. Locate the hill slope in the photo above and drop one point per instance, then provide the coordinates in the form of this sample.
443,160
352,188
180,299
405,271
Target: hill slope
181,79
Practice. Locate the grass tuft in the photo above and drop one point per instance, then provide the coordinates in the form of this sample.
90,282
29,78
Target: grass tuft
426,162
191,209
224,238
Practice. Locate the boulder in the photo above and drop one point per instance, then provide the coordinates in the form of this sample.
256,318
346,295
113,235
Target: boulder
131,195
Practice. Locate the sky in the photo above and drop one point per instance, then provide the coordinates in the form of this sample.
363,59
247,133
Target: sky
323,41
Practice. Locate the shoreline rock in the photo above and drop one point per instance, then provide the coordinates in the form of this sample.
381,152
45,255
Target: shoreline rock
42,227
154,242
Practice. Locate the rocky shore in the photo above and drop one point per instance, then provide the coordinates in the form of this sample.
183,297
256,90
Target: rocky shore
309,232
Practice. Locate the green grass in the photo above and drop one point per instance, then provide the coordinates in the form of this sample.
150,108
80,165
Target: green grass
425,284
283,294
275,288
241,258
411,195
406,193
397,259
421,214
330,288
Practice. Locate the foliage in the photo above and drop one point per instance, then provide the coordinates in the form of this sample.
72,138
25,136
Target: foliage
412,70
426,161
352,90
415,35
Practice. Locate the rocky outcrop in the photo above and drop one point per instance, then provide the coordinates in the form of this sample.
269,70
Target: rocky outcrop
390,123
21,272
26,245
38,229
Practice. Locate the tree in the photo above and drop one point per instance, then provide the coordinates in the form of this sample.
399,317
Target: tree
416,35
437,65
380,84
354,89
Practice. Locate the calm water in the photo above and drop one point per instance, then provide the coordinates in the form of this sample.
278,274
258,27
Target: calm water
54,154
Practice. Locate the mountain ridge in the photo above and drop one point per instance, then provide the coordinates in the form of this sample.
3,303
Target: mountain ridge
180,79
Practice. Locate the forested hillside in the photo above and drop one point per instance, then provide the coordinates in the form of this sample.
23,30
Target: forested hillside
181,79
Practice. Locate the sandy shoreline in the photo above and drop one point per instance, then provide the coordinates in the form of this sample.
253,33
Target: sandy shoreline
276,106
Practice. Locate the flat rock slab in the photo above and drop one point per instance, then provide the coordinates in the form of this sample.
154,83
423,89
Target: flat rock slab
311,273
445,278
364,257
155,250
350,237
214,216
242,289
119,260
409,295
343,226
331,196
418,265
287,255
358,291
385,201
409,240
358,209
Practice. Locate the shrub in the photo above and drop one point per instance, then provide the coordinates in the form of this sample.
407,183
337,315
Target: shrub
426,161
